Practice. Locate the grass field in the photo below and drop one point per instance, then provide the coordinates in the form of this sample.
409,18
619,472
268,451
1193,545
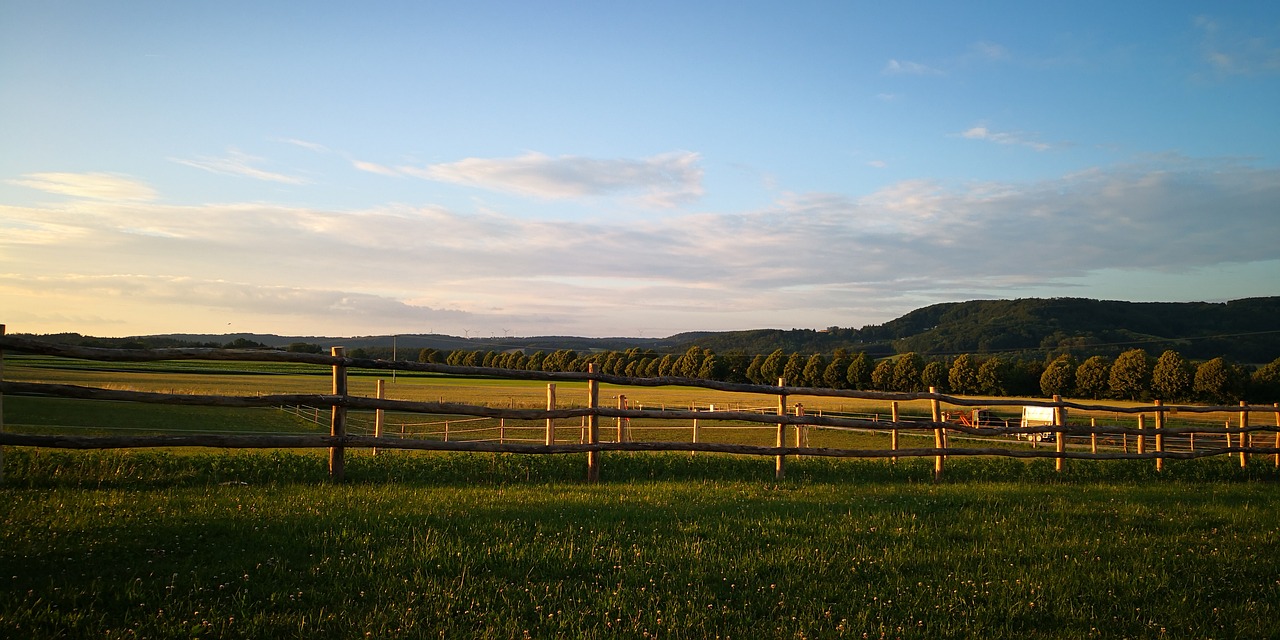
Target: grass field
251,545
222,544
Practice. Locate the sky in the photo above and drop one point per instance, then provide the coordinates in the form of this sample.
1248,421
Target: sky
625,169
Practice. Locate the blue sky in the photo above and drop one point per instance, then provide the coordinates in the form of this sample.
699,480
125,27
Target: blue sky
638,169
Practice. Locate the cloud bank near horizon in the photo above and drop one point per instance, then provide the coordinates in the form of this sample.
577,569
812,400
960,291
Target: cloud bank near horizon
809,259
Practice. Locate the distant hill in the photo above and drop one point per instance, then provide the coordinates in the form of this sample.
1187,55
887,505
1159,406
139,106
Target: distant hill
1245,331
416,342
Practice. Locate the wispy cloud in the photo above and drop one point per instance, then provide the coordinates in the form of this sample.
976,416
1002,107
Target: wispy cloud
373,167
1230,52
98,186
421,264
1018,138
663,180
309,146
237,163
906,67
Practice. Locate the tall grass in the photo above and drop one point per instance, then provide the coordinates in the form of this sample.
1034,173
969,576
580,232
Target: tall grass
250,545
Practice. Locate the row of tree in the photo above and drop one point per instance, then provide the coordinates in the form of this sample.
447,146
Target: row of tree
1133,375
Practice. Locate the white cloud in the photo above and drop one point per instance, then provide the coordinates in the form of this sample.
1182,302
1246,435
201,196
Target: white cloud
879,164
664,180
309,146
236,163
99,186
807,260
1005,137
906,67
373,167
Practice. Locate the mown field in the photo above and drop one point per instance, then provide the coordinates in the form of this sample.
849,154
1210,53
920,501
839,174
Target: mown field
227,544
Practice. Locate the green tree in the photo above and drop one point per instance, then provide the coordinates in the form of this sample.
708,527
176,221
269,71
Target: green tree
238,343
858,375
882,375
935,375
1217,381
793,370
713,367
771,369
991,377
427,354
734,364
689,364
1092,377
1023,377
1130,374
1266,382
302,347
814,367
963,376
1171,377
906,372
665,365
834,375
753,370
535,361
1059,378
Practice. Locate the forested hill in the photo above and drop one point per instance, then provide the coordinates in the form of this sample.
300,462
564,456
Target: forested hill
1245,330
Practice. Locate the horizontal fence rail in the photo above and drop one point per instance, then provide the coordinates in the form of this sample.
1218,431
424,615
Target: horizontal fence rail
1224,440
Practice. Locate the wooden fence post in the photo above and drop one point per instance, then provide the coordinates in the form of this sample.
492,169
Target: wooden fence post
1159,435
380,415
593,425
1059,437
1093,437
622,404
1142,439
780,466
802,430
1276,405
338,418
893,433
2,408
551,405
696,437
1244,424
939,438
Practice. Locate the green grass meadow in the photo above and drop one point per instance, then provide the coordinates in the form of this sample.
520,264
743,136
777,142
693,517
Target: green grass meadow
201,543
250,545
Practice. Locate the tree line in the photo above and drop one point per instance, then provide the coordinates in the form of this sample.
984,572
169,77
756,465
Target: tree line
1133,375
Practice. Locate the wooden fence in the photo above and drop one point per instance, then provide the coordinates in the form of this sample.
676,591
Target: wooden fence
1234,440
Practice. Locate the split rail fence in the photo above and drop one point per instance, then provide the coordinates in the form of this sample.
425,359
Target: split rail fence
1225,440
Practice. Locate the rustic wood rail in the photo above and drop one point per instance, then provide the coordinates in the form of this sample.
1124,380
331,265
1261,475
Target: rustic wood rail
340,401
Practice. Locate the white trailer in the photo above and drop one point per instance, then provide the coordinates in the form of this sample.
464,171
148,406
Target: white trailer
1037,417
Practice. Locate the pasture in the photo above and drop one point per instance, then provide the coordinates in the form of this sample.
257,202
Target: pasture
215,543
